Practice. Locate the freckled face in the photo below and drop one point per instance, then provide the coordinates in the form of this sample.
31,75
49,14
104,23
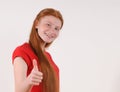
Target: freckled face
48,28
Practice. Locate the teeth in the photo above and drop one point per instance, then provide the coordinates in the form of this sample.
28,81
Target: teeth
49,36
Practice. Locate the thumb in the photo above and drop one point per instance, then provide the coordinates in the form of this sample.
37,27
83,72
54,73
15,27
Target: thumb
35,64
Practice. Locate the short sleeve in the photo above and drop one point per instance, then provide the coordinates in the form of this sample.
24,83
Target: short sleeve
19,52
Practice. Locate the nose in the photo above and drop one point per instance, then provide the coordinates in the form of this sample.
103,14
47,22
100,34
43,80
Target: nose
53,32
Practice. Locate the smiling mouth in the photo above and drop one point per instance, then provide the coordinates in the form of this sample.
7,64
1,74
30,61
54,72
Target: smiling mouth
50,37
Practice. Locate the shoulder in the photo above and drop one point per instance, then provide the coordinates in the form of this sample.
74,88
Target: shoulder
23,48
20,50
24,51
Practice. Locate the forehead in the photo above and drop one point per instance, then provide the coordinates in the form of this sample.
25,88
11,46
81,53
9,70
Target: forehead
51,19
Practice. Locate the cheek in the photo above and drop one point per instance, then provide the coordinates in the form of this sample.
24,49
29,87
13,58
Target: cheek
57,34
40,29
40,32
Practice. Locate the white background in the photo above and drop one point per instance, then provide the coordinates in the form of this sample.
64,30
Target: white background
87,50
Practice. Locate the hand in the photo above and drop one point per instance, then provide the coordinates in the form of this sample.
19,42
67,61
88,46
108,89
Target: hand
35,77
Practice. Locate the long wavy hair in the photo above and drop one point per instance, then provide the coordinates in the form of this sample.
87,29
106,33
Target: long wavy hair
50,80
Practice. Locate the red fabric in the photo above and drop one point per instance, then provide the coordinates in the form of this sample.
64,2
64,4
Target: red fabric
26,52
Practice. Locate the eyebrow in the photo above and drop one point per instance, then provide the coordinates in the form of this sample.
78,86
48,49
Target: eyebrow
52,24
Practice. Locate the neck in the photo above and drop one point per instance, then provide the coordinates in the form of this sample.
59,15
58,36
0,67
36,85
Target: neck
43,46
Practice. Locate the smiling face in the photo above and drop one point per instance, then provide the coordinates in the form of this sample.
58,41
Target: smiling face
48,28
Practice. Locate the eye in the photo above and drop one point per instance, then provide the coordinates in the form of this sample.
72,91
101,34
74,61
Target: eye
48,24
57,29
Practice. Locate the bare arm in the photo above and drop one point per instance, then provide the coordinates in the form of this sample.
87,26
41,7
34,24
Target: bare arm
22,82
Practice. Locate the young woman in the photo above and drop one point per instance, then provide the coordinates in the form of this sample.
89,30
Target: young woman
34,69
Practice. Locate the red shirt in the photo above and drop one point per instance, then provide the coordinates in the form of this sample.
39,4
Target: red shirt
25,51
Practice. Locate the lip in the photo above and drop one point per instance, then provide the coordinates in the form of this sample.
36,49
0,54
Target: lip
50,37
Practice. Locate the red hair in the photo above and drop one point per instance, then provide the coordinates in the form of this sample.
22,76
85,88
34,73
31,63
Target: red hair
50,80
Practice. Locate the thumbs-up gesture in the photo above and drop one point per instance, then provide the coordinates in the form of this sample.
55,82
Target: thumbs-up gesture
35,77
35,67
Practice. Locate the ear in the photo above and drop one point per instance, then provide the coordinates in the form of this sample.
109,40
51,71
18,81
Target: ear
36,23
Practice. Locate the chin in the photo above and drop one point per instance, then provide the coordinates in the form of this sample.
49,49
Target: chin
48,41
